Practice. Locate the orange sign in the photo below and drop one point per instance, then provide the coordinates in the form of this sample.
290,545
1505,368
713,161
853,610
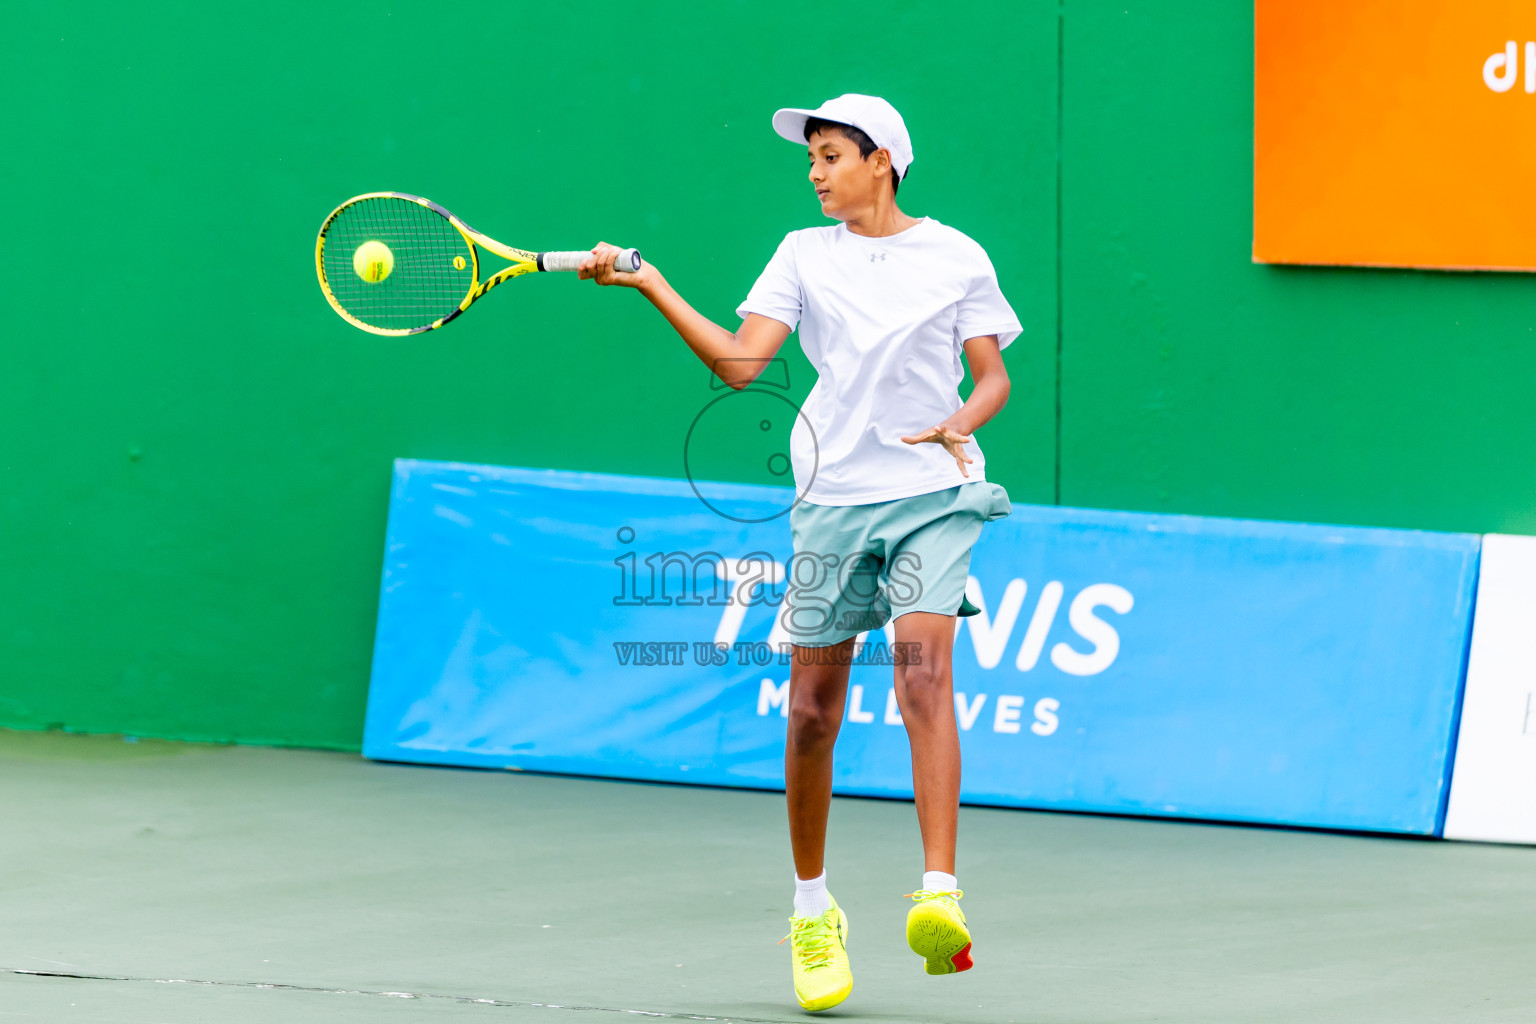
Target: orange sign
1395,133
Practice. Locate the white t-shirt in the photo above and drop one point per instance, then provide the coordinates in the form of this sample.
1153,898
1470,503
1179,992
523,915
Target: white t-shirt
883,321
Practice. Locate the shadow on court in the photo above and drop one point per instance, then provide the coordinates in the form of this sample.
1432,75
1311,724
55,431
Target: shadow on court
168,882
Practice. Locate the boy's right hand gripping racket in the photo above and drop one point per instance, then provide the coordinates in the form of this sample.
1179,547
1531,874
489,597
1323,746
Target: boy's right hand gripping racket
393,263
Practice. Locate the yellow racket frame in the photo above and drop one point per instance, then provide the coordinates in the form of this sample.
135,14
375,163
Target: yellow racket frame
523,262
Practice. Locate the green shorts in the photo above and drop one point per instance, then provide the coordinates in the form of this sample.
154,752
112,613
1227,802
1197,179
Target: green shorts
856,567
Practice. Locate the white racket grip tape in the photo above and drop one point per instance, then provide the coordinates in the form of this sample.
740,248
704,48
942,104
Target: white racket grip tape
626,262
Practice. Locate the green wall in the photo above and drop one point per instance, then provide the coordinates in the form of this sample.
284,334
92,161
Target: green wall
1196,381
196,451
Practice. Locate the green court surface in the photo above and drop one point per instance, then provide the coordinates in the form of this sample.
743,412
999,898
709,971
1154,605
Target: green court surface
170,883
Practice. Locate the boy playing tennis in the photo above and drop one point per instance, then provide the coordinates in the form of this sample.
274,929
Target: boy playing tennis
890,482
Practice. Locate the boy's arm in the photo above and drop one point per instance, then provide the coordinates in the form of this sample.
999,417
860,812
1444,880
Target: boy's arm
989,393
736,358
989,385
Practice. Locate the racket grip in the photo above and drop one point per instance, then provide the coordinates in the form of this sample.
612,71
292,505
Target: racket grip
627,262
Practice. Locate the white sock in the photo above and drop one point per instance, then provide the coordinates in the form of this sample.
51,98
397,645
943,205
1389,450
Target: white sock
811,899
939,881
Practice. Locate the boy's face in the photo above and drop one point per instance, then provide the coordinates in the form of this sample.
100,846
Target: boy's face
845,182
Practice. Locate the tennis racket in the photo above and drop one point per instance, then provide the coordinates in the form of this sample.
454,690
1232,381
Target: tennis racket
393,263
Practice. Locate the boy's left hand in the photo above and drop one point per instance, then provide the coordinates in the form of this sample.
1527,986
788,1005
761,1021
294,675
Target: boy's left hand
950,438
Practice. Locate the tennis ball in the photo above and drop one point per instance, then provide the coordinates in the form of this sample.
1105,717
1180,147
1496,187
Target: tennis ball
373,261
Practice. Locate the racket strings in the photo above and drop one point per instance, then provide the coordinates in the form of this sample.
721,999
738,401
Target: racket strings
433,265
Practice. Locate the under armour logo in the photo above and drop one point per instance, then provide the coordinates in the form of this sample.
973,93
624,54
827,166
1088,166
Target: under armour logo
877,257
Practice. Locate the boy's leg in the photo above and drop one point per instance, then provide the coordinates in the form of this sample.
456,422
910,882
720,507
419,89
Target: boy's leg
925,694
818,687
932,536
819,927
936,929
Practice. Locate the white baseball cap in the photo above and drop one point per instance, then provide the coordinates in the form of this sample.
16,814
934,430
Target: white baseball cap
869,114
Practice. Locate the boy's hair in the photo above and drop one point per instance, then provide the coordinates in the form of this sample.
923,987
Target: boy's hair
854,135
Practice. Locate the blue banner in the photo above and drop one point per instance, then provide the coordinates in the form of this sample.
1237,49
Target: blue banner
1146,664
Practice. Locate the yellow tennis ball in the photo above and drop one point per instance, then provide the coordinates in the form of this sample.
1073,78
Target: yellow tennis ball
373,261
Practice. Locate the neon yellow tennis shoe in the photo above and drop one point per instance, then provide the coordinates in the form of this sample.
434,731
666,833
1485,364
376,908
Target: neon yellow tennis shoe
936,932
819,949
